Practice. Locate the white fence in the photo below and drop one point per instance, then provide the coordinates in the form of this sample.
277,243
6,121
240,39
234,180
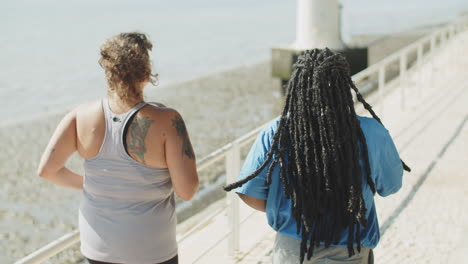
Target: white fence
231,151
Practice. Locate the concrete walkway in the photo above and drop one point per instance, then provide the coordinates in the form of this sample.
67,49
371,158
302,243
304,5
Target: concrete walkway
427,220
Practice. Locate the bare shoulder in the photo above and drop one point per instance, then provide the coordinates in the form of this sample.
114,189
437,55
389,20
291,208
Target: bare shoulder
89,108
171,124
90,115
82,110
161,114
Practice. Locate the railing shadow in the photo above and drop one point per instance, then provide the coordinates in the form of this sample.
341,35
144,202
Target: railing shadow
384,227
434,101
431,121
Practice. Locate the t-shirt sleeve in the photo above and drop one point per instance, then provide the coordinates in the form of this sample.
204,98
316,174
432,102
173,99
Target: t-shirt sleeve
256,187
389,170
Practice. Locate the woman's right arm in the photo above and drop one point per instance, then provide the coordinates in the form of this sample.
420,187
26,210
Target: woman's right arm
180,157
61,146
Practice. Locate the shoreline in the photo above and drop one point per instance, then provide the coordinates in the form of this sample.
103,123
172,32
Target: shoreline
380,45
148,89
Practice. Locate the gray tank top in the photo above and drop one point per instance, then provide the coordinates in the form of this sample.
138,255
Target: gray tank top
127,210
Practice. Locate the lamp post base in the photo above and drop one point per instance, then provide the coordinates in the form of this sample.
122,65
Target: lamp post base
284,57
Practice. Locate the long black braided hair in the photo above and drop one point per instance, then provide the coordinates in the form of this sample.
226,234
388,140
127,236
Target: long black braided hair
318,146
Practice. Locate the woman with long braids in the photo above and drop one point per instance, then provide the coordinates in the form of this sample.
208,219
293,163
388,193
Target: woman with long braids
315,169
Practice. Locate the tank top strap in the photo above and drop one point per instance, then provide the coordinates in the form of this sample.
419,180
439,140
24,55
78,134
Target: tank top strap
131,113
106,109
106,146
118,120
125,119
115,125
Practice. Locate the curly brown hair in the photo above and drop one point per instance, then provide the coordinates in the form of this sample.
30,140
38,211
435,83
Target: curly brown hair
125,59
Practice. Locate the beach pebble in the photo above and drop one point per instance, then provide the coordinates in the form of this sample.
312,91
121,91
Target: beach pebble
217,109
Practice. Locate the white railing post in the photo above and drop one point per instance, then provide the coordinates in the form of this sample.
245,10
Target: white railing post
381,89
444,37
419,63
459,50
433,43
449,33
402,78
433,52
420,54
440,36
232,172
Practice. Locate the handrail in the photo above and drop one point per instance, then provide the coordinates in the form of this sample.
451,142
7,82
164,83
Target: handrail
221,152
401,56
51,249
71,238
231,150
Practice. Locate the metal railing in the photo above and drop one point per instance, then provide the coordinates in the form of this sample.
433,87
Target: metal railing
433,41
231,151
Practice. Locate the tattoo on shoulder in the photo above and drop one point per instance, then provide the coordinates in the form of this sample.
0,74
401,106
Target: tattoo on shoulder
136,137
179,125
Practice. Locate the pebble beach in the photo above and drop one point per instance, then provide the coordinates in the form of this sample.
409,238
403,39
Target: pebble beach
34,212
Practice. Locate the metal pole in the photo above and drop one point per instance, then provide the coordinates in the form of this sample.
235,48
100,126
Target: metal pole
459,49
232,172
418,64
443,38
420,53
51,249
402,78
433,44
433,52
381,89
446,34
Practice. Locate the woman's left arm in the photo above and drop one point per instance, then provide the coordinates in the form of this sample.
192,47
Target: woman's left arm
61,146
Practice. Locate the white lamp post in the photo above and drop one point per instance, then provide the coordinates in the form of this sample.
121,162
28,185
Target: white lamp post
318,24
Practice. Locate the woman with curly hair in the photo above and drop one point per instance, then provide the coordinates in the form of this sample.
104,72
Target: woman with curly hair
136,155
314,170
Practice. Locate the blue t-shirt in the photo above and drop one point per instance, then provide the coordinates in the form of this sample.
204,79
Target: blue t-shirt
386,172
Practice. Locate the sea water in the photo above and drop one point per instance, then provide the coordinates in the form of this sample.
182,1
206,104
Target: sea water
49,49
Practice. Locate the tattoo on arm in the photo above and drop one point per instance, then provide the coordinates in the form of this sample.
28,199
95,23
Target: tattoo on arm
179,125
52,150
136,137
